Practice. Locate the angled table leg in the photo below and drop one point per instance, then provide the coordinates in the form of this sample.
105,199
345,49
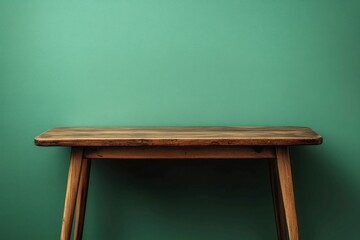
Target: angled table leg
287,192
81,198
71,191
278,201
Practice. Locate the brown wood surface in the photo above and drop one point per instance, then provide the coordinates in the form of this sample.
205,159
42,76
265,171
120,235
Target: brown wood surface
287,192
81,198
71,191
184,152
177,136
277,200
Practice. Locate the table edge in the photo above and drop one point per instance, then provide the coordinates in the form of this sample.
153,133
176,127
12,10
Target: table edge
316,140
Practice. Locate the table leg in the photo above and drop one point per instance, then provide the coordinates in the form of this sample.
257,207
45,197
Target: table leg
278,201
71,191
287,192
81,198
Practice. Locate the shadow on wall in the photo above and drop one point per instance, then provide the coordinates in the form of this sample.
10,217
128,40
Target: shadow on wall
211,199
180,199
324,198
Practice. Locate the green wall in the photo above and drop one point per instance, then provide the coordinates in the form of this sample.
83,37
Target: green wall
251,62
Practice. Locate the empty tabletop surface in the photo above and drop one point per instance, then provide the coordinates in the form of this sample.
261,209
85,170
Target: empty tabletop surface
177,136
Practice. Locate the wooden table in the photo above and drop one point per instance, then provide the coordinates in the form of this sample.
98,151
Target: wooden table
179,143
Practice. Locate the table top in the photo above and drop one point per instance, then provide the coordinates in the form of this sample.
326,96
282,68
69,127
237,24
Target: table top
178,136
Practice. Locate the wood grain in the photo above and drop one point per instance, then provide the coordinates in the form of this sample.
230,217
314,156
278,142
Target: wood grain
177,136
277,200
183,152
81,198
287,191
71,191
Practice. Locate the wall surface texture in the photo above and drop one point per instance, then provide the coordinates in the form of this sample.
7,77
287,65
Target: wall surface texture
171,62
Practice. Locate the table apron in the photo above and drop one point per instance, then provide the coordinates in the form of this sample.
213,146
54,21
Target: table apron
180,152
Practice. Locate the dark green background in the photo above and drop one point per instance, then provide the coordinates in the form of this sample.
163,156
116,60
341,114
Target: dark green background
252,62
